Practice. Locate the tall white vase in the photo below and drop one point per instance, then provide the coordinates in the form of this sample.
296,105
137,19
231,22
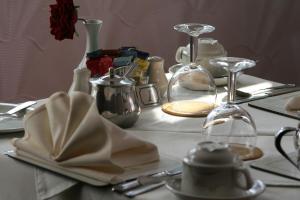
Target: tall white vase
81,73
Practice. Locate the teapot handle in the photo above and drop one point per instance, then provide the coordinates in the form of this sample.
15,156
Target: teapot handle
283,131
179,54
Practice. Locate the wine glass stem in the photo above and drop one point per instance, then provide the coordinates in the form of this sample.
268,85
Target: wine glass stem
191,49
231,87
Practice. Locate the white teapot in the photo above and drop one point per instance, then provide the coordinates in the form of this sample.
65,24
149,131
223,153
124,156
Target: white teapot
207,48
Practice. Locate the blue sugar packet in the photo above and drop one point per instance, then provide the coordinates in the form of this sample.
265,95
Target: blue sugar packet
142,54
128,51
128,48
94,54
122,61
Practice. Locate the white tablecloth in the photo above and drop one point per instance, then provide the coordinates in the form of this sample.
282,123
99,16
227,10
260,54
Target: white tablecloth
174,136
154,119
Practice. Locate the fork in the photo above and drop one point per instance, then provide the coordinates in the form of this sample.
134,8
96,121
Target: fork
147,180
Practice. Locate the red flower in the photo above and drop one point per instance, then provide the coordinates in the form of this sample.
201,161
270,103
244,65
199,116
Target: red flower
99,65
63,19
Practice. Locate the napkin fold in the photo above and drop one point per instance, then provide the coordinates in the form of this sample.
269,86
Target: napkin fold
293,104
67,131
195,81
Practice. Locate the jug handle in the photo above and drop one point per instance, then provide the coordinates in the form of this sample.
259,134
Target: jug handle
283,131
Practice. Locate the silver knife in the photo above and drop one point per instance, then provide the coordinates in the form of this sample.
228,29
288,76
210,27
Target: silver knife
268,93
21,107
290,85
18,108
147,180
143,189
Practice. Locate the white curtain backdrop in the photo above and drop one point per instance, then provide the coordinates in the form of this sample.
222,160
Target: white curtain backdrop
34,65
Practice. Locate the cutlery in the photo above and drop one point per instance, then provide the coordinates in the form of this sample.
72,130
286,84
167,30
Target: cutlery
241,94
143,189
290,85
18,108
267,93
282,184
147,180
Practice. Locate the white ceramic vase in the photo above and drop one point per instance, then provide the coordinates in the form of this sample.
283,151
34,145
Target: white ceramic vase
82,75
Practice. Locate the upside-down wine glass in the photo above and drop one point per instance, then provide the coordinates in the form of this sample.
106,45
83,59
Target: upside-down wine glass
191,90
230,123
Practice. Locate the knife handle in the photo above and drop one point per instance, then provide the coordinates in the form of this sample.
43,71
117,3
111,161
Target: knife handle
143,189
122,187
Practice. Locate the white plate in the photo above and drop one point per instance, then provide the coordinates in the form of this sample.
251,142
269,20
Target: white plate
7,124
174,185
165,163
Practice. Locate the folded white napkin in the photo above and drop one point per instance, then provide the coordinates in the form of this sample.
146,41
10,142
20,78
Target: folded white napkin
68,132
195,81
293,104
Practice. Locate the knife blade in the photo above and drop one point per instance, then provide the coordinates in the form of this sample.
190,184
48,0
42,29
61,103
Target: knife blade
290,85
147,180
268,93
19,108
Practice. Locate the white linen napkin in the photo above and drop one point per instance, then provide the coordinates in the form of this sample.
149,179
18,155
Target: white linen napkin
68,132
293,104
48,185
195,81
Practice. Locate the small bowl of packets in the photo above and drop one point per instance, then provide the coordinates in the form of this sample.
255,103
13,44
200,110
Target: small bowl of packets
122,60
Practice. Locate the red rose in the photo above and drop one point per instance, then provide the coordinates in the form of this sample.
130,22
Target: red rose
105,63
99,66
63,19
93,65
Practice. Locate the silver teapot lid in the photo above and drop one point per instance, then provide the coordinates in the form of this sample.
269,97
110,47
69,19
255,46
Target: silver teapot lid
113,80
210,153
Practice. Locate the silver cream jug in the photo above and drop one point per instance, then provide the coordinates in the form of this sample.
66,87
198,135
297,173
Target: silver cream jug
116,99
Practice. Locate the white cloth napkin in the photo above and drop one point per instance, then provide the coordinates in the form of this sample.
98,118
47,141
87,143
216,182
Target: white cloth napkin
293,104
68,132
48,185
195,81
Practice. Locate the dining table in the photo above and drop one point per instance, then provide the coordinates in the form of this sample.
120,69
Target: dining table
174,136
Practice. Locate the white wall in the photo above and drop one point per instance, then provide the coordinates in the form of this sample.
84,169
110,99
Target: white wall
34,65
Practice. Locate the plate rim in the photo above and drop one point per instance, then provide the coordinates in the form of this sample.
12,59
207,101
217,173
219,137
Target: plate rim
11,130
179,193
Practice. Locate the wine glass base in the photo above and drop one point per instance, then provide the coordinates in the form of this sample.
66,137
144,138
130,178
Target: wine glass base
188,108
246,153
